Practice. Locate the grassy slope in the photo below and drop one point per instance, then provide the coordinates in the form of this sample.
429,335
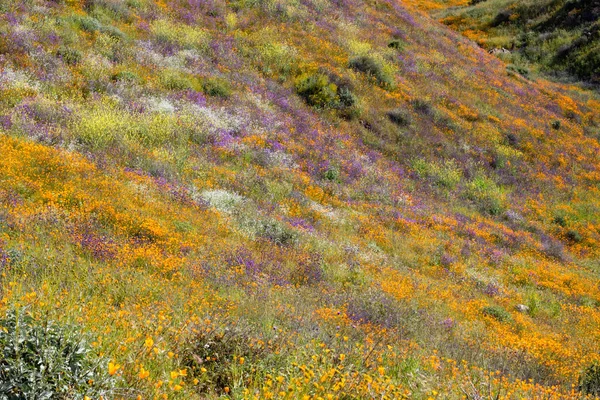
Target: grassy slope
160,179
557,37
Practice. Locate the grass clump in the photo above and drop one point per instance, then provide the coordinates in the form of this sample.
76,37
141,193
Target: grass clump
589,380
446,175
175,80
181,35
375,68
399,117
69,56
222,358
216,87
125,76
490,197
497,313
45,360
276,232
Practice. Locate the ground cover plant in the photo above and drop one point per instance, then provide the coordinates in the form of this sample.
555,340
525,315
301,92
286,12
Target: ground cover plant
281,199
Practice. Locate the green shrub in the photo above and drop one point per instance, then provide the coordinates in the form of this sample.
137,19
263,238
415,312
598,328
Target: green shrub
396,44
317,90
346,97
373,67
446,175
332,174
422,106
512,69
214,357
69,56
45,360
323,90
497,313
173,80
99,128
574,236
277,233
125,76
216,87
399,117
589,380
490,197
88,24
113,32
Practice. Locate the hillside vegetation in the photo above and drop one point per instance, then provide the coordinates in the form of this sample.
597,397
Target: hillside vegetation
288,199
560,38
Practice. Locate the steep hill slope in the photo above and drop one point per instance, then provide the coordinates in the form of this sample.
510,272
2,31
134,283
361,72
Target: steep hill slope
288,199
557,37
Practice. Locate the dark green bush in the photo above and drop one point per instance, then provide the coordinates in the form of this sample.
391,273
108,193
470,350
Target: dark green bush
327,90
317,90
216,87
346,97
45,360
372,67
555,124
422,107
589,380
574,236
396,44
523,71
332,174
497,313
399,117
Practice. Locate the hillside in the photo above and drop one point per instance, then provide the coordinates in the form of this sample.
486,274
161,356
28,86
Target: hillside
559,38
281,199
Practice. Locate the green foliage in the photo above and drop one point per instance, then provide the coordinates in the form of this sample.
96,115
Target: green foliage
396,44
497,312
446,175
181,35
560,37
87,24
219,357
44,360
573,236
589,380
69,56
517,69
175,80
101,127
534,304
490,197
375,68
422,106
399,117
125,76
317,90
276,232
216,87
332,174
